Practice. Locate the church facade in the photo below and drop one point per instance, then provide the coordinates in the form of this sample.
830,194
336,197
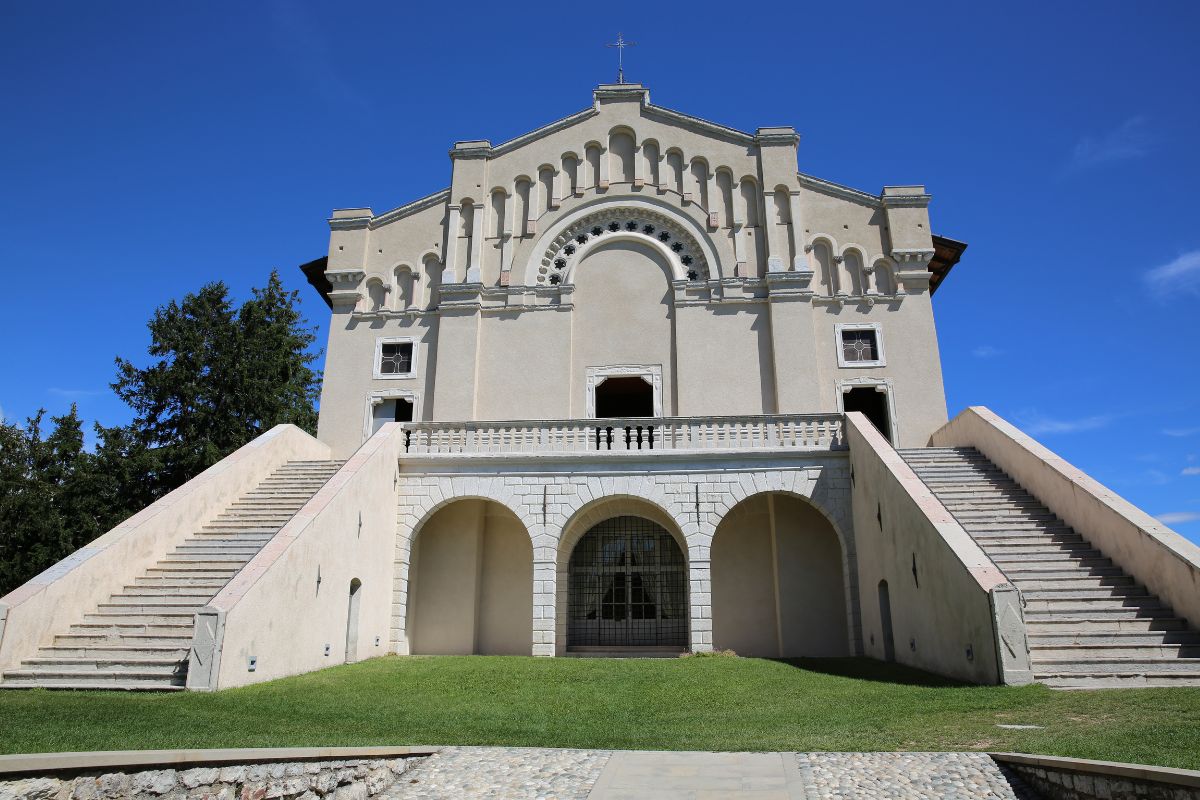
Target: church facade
631,386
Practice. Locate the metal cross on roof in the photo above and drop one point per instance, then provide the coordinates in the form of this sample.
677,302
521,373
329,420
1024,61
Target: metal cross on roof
621,44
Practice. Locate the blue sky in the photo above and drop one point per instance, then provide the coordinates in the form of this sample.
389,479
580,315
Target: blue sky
150,147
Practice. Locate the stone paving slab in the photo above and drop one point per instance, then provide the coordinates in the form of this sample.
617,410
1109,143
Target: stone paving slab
551,774
519,773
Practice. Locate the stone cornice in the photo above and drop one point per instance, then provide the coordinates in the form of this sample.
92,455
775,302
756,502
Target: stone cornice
699,125
479,148
837,190
777,135
906,200
545,130
420,204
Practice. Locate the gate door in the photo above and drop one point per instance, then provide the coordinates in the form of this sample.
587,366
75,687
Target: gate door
627,587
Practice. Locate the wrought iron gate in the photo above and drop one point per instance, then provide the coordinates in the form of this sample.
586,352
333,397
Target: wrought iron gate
627,587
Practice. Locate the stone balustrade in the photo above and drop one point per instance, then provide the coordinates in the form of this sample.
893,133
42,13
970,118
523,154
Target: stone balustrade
806,432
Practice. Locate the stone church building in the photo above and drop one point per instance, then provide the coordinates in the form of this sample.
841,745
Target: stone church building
631,386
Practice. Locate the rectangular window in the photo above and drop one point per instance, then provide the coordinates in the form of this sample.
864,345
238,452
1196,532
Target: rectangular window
395,358
859,346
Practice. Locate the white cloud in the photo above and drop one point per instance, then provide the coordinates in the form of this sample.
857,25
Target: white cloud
1190,471
1036,424
1176,517
986,351
1181,276
1130,139
1179,433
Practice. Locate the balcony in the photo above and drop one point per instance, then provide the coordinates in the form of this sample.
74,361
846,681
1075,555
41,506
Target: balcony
776,432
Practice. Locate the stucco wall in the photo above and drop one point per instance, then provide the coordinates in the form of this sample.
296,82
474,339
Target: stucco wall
949,603
797,572
501,341
32,613
1164,561
292,599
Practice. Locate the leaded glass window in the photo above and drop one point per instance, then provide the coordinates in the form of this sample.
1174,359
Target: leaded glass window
859,346
396,358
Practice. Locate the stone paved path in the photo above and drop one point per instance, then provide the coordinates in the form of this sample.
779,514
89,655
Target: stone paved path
549,774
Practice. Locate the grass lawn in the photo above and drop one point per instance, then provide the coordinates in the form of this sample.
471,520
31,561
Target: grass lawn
674,704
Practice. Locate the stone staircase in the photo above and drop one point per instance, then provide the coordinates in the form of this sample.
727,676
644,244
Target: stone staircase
1089,623
140,637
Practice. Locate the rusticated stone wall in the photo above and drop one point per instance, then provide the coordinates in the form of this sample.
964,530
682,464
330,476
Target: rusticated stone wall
353,779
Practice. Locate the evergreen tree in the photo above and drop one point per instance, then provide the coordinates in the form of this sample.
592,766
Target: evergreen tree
46,510
221,378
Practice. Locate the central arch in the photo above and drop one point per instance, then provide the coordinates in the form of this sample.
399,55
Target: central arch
627,587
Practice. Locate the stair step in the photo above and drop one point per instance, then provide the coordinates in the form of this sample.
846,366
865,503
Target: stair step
1093,609
115,653
133,664
21,679
132,593
156,617
135,627
1101,665
1041,654
1082,593
135,640
206,558
1068,582
1047,625
179,582
1084,558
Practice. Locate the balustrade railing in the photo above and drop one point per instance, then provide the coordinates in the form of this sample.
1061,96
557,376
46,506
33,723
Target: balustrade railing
778,431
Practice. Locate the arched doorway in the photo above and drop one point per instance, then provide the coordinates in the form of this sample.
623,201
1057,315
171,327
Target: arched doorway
470,583
627,587
778,588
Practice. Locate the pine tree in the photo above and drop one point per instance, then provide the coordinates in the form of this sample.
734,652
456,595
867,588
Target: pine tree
221,378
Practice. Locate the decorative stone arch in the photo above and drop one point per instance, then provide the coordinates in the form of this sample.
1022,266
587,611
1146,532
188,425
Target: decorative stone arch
581,521
883,269
804,488
549,254
376,293
859,252
399,269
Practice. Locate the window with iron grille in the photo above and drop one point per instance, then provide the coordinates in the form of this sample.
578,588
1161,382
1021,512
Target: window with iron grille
395,358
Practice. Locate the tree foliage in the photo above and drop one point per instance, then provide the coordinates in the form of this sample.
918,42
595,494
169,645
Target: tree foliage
218,377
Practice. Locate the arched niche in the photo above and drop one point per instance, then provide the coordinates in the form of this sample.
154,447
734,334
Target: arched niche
779,577
471,582
621,154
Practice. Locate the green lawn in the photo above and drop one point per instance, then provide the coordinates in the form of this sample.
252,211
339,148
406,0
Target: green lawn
683,704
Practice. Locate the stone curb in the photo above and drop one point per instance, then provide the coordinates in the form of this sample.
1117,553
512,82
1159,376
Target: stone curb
1141,772
119,760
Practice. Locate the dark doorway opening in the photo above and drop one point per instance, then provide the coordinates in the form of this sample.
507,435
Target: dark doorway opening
391,410
624,397
872,403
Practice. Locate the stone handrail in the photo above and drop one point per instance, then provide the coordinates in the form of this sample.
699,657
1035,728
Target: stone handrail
772,432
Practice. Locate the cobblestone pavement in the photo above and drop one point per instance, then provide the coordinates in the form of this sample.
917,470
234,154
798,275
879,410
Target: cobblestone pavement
520,773
549,774
910,776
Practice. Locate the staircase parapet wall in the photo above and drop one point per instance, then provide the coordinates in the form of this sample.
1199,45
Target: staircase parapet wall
1165,562
32,613
287,609
953,611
